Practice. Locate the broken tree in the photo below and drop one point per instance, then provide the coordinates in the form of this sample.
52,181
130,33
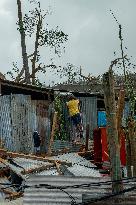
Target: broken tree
113,140
23,43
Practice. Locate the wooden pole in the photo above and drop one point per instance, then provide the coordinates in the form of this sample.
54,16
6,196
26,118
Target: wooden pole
52,132
131,148
87,137
114,148
120,108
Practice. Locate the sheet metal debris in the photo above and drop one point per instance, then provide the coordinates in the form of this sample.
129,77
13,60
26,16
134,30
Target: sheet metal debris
23,168
74,158
44,195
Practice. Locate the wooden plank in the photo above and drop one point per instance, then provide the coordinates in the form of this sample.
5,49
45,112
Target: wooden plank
44,159
3,161
3,171
0,88
58,168
37,169
14,195
87,136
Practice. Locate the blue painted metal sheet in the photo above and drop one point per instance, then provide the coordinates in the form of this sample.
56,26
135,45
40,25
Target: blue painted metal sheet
102,121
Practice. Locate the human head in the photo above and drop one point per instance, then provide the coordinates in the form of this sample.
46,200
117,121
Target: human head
71,97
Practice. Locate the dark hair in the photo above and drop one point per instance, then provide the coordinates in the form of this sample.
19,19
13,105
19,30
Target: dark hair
72,97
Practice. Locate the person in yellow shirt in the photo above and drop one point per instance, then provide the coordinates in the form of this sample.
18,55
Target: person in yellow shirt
73,107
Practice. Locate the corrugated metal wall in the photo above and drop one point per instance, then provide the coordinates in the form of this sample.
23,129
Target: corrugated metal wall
89,112
19,117
21,123
5,122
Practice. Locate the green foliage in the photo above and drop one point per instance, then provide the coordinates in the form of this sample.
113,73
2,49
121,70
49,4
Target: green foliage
61,131
70,73
33,25
129,77
53,38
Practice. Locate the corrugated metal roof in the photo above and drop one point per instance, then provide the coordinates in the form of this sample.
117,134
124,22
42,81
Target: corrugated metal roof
13,202
80,166
74,158
29,163
48,172
59,196
26,164
59,145
2,195
78,170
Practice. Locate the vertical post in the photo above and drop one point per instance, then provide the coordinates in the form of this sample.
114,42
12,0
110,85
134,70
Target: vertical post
114,148
87,136
131,154
120,108
52,132
0,88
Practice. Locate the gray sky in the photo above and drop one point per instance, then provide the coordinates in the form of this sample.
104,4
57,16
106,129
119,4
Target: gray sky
93,33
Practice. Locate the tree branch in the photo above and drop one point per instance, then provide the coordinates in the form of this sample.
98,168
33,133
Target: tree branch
17,79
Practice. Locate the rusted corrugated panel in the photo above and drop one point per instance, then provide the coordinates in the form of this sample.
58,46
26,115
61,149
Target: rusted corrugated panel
19,117
42,122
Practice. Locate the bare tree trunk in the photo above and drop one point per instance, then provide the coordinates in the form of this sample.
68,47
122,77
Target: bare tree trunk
113,140
121,104
36,50
128,155
23,43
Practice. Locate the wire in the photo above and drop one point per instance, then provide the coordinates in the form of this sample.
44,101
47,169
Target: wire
108,196
73,200
11,160
126,180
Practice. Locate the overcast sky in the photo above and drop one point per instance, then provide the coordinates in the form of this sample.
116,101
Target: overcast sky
92,31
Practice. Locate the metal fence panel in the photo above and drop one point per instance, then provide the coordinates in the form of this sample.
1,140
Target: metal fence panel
21,118
5,122
89,112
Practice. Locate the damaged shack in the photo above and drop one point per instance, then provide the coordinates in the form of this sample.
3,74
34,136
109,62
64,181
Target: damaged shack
23,109
69,174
